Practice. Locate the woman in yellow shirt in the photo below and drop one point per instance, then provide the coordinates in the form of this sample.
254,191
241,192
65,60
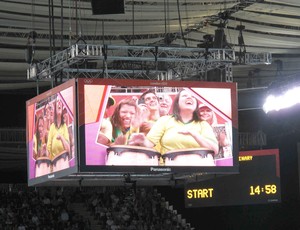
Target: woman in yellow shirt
181,130
58,144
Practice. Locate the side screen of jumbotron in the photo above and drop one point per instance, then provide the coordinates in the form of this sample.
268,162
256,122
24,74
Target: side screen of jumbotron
157,126
258,182
51,134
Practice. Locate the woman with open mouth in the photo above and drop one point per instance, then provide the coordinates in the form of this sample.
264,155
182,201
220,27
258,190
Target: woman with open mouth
181,131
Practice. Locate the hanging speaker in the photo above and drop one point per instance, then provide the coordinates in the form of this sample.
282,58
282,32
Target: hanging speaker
220,38
107,7
216,74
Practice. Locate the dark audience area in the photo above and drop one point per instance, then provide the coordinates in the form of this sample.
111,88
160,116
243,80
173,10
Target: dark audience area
88,208
133,208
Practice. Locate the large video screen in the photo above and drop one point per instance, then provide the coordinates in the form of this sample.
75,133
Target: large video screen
51,134
157,126
258,182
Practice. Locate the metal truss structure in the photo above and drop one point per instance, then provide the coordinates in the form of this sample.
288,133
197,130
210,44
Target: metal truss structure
140,62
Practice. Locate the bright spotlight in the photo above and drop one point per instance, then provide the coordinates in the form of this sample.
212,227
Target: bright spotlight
288,98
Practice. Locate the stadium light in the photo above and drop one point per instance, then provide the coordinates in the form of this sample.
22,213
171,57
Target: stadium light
283,97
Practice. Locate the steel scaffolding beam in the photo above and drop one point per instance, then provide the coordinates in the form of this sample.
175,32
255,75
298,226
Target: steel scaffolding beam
152,62
258,58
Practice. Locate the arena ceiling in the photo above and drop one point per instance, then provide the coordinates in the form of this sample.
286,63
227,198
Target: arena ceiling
269,26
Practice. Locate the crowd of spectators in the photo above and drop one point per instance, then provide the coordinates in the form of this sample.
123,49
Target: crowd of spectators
134,209
30,208
112,208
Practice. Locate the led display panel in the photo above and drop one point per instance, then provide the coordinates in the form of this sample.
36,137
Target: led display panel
51,134
258,182
148,126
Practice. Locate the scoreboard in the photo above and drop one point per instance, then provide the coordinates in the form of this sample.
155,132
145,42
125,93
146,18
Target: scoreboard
258,182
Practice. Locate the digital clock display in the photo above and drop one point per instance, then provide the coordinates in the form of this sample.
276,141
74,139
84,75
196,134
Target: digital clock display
267,189
258,182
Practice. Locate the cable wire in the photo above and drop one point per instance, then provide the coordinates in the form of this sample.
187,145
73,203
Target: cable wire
180,24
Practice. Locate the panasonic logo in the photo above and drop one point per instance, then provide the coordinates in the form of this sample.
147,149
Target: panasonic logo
51,176
160,169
